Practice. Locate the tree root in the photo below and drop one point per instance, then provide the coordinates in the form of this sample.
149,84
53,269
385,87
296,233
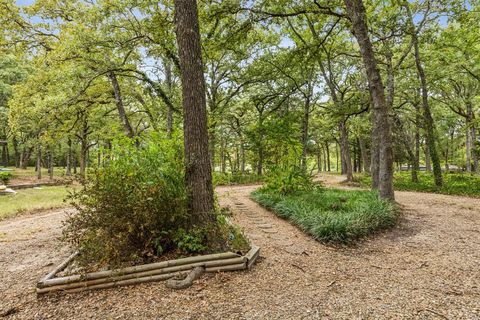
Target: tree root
187,282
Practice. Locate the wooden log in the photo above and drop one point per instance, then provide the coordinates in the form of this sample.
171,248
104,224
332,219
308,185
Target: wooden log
59,268
233,267
252,256
143,274
188,281
135,269
128,282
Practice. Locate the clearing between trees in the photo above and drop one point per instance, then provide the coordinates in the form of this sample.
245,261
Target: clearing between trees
426,268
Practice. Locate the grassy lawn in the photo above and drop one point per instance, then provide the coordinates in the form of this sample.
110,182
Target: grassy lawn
32,199
453,183
332,215
30,172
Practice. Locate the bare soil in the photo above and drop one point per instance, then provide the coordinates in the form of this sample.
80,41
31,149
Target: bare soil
426,268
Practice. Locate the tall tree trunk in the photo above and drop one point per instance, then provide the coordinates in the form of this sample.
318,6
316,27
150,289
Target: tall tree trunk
16,154
357,15
39,162
345,151
305,121
364,155
5,154
169,83
427,114
416,164
50,164
428,164
198,173
327,149
471,139
120,107
68,171
336,157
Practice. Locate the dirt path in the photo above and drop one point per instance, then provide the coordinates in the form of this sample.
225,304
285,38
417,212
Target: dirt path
427,268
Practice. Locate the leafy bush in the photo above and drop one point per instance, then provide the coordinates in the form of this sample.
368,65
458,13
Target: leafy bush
330,215
135,208
453,183
288,181
132,208
227,179
5,177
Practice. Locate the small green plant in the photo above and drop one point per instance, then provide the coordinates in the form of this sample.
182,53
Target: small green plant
288,181
5,177
227,179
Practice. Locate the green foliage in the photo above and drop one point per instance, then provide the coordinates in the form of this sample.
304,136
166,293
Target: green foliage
5,177
330,215
132,208
228,179
288,181
454,183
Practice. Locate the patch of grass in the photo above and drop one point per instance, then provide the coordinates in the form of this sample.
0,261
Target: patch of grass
332,215
229,179
32,199
453,183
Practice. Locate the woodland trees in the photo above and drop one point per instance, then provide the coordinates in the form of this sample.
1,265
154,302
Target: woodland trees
345,86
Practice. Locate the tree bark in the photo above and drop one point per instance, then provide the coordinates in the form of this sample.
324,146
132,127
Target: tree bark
305,122
68,171
345,151
39,162
356,13
198,173
427,114
120,107
169,83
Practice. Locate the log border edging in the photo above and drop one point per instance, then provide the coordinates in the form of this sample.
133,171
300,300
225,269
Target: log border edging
219,262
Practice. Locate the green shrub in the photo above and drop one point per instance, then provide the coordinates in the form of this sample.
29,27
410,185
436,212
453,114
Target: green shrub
132,208
5,177
288,181
330,215
227,179
453,183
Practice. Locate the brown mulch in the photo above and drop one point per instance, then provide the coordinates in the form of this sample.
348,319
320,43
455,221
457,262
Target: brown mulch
426,268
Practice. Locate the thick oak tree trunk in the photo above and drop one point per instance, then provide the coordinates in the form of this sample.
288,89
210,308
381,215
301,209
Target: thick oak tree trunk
198,173
356,13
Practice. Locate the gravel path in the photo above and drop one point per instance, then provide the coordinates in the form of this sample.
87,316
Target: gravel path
427,268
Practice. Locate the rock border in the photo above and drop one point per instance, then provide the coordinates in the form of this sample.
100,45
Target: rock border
218,262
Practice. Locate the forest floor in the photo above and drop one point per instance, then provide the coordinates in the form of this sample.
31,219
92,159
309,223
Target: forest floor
426,268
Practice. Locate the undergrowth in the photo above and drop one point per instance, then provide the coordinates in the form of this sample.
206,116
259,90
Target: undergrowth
453,183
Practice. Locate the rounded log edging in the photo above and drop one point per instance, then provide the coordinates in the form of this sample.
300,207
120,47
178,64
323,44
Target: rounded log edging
220,262
135,269
169,270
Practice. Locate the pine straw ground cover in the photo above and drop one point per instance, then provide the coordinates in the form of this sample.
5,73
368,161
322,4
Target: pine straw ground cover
331,215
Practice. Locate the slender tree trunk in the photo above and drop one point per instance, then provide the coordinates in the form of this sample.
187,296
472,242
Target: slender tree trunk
327,149
39,162
416,164
357,15
364,155
472,163
50,164
198,166
16,154
428,119
169,83
120,107
69,158
345,152
5,155
305,122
